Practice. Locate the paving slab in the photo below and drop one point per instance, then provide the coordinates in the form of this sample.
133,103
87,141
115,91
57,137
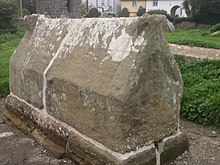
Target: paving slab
196,52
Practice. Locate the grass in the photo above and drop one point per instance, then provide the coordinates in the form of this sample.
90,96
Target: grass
8,43
201,97
193,37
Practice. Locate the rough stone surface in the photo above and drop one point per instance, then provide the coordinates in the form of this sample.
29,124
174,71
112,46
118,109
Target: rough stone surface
198,53
30,22
57,8
48,133
62,141
32,57
83,152
116,87
170,27
112,81
215,34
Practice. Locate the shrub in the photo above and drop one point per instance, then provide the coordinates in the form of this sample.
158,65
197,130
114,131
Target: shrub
30,6
8,14
124,12
4,37
205,11
93,12
201,96
141,11
183,19
162,12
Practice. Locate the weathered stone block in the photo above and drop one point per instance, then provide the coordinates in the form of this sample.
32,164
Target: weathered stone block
33,55
48,132
173,146
120,85
108,86
83,151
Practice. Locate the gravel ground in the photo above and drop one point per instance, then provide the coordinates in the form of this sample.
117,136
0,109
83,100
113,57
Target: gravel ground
204,145
19,149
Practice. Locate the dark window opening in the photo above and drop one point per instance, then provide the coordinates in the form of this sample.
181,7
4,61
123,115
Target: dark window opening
68,6
155,2
134,3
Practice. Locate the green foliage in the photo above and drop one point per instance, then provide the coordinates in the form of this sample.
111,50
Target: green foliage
162,12
141,11
186,6
124,12
5,37
198,43
193,37
205,11
8,13
93,12
215,28
183,19
4,87
201,97
29,5
8,43
83,8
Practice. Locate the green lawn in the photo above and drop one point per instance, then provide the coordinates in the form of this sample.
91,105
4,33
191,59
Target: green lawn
193,37
8,43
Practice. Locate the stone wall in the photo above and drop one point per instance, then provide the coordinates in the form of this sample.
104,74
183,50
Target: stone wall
57,8
102,90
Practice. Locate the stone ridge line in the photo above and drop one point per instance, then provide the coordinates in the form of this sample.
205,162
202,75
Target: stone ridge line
157,153
51,63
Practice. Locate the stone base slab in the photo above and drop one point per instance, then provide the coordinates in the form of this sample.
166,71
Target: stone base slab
63,140
173,147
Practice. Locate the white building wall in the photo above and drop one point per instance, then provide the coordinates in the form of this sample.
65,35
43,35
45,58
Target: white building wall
167,6
113,5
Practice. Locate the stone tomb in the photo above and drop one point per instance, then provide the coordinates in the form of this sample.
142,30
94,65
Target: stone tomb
101,91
